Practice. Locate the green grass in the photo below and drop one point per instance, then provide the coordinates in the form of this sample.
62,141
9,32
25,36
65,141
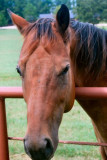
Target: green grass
104,28
10,46
76,125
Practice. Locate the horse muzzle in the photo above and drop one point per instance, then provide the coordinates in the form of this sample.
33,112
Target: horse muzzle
42,149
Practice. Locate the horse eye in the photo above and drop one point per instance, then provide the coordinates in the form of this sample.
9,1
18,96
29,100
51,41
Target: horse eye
65,70
18,70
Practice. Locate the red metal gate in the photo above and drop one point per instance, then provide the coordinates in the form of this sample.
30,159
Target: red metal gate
16,92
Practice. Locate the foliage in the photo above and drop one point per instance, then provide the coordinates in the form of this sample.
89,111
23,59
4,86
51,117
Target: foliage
30,12
56,9
93,11
59,2
32,9
3,20
28,9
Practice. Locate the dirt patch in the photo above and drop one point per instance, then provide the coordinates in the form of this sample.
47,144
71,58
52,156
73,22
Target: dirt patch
19,157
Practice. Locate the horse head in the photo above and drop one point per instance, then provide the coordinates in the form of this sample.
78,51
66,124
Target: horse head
47,80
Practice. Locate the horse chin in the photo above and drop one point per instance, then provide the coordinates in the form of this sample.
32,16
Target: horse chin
36,158
41,159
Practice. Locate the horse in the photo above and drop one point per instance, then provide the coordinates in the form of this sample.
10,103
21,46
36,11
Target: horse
58,55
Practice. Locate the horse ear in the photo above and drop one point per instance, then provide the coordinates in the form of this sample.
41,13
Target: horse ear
63,19
20,22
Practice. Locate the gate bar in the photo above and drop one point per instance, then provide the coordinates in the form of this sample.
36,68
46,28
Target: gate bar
4,152
81,92
67,142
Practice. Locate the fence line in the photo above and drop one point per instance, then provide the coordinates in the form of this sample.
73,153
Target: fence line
67,142
16,92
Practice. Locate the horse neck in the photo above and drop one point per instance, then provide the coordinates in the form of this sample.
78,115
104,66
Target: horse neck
82,77
77,73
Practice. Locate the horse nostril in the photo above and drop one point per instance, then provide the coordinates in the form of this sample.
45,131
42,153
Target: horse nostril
49,148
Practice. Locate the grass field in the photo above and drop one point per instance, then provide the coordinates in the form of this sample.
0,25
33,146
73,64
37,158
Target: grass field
76,125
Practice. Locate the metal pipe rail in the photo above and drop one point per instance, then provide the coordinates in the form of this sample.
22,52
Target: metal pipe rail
67,142
81,92
16,92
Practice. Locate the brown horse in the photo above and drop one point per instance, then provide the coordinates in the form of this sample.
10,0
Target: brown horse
56,56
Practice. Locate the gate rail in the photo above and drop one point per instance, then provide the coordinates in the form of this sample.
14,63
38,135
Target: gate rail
16,92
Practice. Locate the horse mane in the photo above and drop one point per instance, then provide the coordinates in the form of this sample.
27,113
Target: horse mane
90,52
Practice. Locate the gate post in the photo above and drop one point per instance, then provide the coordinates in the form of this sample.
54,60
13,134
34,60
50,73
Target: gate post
4,152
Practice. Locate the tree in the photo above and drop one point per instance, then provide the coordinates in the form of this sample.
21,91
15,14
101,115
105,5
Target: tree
33,8
56,10
92,11
18,6
66,2
29,9
44,6
3,20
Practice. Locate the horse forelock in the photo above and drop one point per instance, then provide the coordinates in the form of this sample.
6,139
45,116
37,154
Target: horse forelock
91,47
39,31
42,32
42,27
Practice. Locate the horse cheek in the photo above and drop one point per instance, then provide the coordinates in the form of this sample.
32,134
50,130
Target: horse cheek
71,93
